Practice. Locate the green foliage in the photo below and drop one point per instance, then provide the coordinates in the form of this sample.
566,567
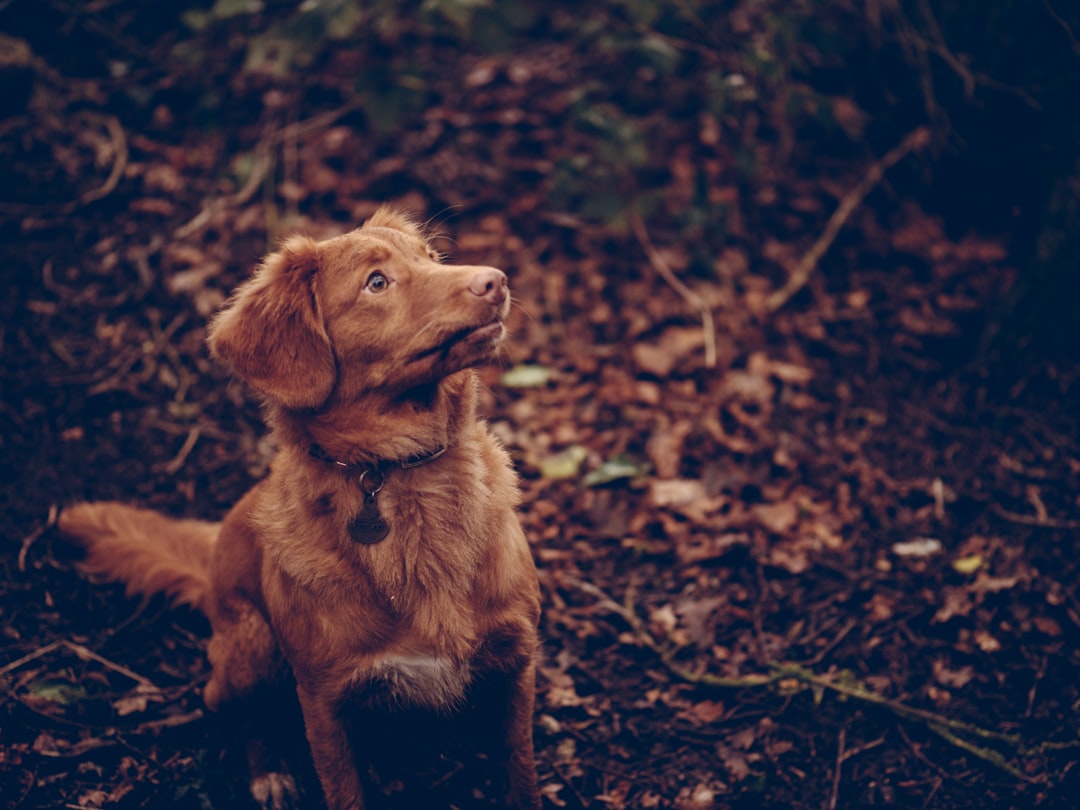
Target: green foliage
527,376
57,691
656,66
618,468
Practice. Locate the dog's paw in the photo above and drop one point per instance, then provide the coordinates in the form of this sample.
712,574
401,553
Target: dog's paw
275,791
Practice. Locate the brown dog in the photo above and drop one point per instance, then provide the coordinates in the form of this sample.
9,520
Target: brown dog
381,561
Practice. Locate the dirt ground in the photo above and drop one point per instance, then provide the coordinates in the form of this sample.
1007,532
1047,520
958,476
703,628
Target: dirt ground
814,554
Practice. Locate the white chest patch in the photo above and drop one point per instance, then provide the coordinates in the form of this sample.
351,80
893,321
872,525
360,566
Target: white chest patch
430,681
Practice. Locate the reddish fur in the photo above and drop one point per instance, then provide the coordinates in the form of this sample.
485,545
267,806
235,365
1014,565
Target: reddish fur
148,552
449,594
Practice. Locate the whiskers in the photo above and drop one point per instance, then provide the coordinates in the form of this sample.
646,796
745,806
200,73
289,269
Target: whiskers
433,233
423,331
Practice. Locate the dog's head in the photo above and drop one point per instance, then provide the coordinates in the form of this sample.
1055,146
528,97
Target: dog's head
369,310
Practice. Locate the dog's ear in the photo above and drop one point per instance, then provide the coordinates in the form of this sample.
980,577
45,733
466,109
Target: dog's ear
271,332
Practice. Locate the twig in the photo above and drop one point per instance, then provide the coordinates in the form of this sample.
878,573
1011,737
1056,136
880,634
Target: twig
835,793
83,654
35,534
1064,25
116,132
858,749
26,659
139,353
174,466
914,141
689,296
116,173
254,182
171,721
1039,522
86,654
941,49
921,756
985,754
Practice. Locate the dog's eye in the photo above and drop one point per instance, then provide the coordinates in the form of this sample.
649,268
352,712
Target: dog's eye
377,282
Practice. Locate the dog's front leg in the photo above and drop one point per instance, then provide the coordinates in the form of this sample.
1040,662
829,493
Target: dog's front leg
521,762
331,751
249,676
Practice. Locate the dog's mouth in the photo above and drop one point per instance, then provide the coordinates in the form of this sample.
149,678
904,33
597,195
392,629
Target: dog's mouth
479,338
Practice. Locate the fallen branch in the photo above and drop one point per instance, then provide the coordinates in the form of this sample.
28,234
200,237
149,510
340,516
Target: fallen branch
177,463
915,140
1036,521
708,328
82,653
948,729
666,652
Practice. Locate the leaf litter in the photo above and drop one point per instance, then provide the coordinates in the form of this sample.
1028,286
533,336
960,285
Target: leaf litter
794,553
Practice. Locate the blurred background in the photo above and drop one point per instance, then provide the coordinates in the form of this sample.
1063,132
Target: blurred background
792,382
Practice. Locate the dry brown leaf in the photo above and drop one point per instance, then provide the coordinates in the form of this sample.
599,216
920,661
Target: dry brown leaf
698,548
777,518
986,642
745,386
791,558
1047,625
663,620
952,678
697,615
561,690
703,712
958,602
665,449
675,344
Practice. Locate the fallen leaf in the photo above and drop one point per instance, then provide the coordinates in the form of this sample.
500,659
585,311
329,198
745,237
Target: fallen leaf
968,564
665,449
674,345
138,700
1047,625
527,376
61,692
663,620
777,518
564,464
919,547
677,492
619,468
953,678
987,643
704,712
985,583
736,763
746,387
45,745
958,602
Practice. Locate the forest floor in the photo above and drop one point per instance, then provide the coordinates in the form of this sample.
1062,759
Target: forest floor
801,554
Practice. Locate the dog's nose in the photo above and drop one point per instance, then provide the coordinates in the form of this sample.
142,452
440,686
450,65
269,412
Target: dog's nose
489,284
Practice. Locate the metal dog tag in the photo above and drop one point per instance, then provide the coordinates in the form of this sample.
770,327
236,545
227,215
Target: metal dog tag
369,527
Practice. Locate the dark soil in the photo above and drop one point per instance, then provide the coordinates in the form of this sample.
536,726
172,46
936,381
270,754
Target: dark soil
835,570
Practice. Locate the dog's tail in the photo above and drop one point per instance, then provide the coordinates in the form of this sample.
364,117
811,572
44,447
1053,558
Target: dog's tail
147,551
